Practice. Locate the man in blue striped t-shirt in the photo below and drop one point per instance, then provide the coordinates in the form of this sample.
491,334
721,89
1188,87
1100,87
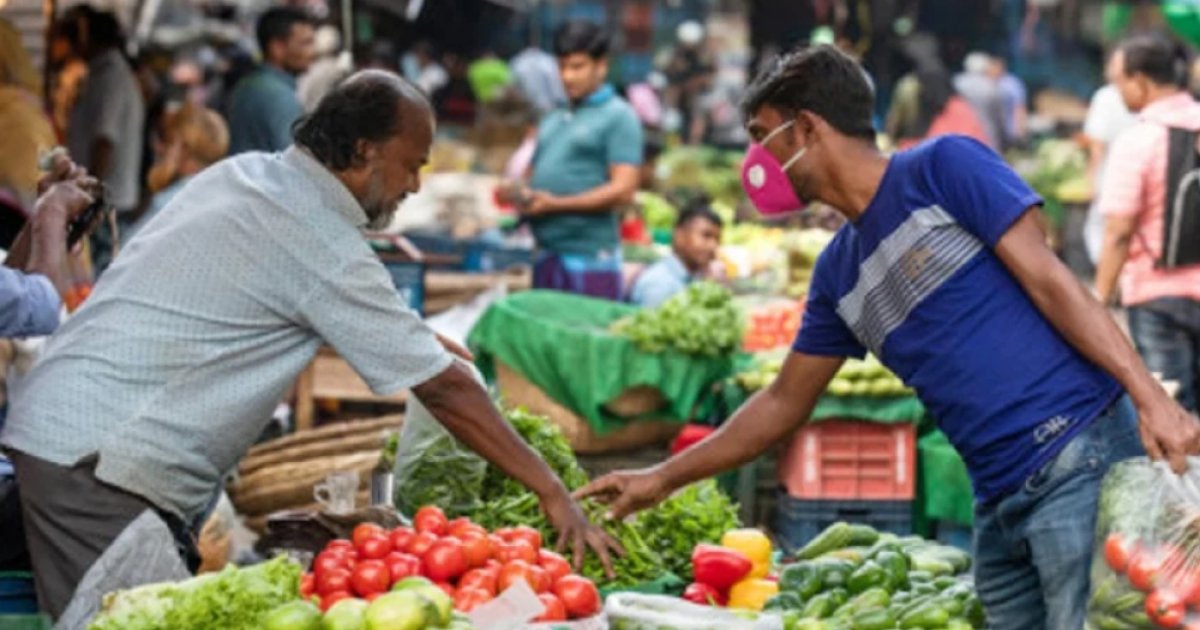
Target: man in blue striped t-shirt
943,272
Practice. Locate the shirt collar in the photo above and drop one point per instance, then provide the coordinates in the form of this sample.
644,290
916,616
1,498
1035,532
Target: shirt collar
676,267
331,188
280,74
602,95
1166,106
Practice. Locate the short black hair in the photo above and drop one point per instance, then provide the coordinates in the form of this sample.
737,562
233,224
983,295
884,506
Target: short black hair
580,36
366,106
1162,59
820,79
103,29
276,24
698,211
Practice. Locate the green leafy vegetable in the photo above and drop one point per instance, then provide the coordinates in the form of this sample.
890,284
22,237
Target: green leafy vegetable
702,320
234,599
699,513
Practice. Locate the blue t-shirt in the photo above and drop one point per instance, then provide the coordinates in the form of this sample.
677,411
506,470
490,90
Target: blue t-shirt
917,282
575,149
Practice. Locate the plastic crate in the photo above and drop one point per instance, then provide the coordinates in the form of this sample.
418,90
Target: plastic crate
849,459
486,257
408,276
798,521
17,596
441,251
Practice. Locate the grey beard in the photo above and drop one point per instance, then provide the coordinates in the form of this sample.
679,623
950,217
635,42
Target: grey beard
381,219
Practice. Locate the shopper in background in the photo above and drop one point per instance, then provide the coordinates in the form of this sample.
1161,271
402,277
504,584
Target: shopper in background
1014,97
942,271
535,72
1107,118
108,119
454,102
423,69
27,130
1163,303
977,85
694,246
264,105
194,138
584,168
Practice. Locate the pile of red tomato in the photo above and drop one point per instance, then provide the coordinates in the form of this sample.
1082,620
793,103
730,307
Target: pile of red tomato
1167,576
461,557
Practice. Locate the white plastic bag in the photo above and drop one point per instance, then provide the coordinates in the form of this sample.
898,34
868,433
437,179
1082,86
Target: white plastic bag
635,611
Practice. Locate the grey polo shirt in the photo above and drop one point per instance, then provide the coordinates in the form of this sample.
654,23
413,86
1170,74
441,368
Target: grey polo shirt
172,367
110,107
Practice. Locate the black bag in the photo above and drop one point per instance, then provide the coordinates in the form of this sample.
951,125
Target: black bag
1181,217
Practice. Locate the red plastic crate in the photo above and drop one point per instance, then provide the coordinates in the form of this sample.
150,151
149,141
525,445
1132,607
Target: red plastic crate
850,459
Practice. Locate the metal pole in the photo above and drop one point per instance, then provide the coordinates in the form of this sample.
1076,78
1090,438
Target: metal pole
348,26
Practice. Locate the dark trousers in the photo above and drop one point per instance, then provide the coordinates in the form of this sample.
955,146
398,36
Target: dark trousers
71,518
1167,335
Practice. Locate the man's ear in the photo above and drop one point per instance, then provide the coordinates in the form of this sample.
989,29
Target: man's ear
364,153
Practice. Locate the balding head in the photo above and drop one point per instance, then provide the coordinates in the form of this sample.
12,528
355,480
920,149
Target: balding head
370,106
374,131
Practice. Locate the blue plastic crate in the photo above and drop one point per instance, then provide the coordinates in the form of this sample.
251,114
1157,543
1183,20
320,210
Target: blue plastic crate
17,596
440,250
485,257
798,521
409,279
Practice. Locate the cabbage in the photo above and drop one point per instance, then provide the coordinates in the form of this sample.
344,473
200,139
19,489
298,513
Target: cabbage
234,599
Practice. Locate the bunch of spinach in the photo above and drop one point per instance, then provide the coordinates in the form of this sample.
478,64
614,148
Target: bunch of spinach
702,320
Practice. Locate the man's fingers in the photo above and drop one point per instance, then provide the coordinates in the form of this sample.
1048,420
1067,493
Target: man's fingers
453,347
614,544
561,544
577,542
596,540
623,506
605,485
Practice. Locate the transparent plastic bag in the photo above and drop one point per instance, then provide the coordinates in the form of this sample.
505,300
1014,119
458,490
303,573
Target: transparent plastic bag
1146,564
635,611
433,468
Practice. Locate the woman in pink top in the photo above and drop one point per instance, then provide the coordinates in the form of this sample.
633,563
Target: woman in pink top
1164,304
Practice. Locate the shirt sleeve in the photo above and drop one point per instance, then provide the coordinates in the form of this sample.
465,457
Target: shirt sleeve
652,289
977,188
286,110
625,140
1124,184
822,331
29,304
111,108
360,314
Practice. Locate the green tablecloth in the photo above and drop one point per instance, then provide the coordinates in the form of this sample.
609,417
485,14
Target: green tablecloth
561,343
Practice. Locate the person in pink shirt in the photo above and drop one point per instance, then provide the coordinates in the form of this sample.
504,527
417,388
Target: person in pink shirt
1163,303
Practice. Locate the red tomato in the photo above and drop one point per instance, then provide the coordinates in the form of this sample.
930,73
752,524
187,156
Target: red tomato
333,581
554,564
1117,551
462,527
477,548
421,543
370,576
365,530
401,565
494,565
375,548
308,585
579,595
552,608
339,543
1143,570
400,537
329,560
529,535
445,560
430,519
516,570
496,542
505,533
481,579
542,582
516,550
469,599
1166,609
333,598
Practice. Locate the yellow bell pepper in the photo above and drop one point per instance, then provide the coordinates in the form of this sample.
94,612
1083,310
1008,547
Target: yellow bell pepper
754,545
752,593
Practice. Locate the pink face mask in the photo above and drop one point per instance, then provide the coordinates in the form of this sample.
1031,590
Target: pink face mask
766,181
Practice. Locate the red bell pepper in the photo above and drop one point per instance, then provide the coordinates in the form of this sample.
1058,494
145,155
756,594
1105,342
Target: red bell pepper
704,594
719,567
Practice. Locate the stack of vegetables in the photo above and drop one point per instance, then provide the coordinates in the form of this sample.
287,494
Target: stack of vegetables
413,603
734,573
699,170
702,320
234,599
861,378
773,325
459,558
853,577
656,540
802,248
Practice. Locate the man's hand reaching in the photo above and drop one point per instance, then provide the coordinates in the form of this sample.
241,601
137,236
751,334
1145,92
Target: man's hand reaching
627,491
578,533
1169,432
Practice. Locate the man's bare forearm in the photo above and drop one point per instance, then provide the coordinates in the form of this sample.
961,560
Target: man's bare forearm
601,199
1113,256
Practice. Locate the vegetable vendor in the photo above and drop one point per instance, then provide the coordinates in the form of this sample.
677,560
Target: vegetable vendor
694,244
585,167
156,388
944,274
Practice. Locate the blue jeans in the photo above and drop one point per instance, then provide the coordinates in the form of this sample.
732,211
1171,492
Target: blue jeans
1033,547
1167,335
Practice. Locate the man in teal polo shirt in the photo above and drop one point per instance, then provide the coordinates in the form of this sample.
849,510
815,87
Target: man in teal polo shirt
264,105
585,166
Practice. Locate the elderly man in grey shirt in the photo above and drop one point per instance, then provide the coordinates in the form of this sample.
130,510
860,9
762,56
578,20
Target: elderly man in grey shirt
162,381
